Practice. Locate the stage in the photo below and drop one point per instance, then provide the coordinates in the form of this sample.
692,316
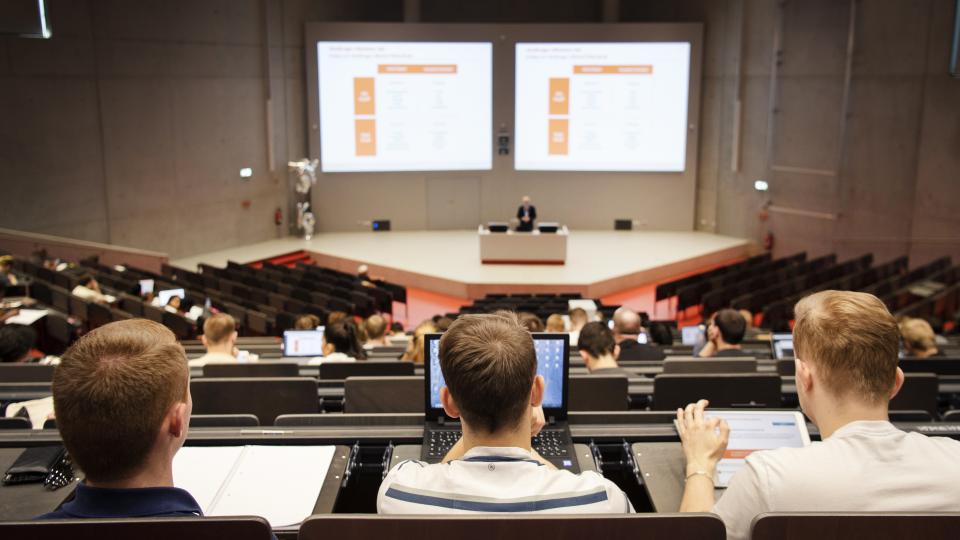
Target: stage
599,263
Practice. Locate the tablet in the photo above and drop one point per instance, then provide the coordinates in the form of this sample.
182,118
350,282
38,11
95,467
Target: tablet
307,343
751,431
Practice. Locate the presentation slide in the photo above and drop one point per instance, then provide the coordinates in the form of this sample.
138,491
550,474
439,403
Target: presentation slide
404,106
602,106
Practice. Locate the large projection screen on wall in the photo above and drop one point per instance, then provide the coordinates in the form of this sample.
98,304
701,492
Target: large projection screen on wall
658,196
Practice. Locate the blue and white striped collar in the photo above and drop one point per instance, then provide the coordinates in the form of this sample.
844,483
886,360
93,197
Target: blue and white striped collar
495,454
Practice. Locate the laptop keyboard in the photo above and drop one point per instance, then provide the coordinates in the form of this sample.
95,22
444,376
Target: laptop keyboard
549,443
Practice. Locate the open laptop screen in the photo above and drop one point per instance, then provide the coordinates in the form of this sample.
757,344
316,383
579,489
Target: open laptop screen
782,346
302,343
552,355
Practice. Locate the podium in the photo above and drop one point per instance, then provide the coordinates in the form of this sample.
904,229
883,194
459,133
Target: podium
514,247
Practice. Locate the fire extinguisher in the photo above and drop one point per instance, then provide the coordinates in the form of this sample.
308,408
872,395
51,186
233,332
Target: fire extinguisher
278,217
768,241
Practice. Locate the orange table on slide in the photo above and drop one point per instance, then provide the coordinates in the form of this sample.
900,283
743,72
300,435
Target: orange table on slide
426,69
560,96
363,96
559,137
366,136
613,70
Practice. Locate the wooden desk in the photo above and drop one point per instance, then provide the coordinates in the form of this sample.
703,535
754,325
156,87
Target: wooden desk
523,248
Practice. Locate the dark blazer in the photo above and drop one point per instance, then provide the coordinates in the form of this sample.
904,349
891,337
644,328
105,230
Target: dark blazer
631,349
528,226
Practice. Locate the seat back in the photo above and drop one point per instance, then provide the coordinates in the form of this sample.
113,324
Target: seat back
265,398
516,527
16,422
787,366
855,526
12,373
383,395
256,369
60,299
368,368
78,307
940,366
671,391
599,393
98,315
224,420
195,528
918,393
710,365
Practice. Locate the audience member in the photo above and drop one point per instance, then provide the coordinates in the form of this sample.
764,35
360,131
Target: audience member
122,402
599,350
442,323
7,277
751,331
414,352
375,328
555,324
578,318
919,341
490,369
16,342
846,347
724,335
531,322
627,326
220,339
660,333
89,289
307,321
173,305
341,343
336,316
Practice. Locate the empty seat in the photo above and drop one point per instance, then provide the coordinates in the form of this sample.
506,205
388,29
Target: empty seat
182,327
383,395
194,528
256,369
10,373
98,315
273,396
671,391
852,526
16,422
710,365
369,368
599,393
78,307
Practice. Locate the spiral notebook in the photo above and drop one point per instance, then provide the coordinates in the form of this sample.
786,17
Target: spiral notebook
278,483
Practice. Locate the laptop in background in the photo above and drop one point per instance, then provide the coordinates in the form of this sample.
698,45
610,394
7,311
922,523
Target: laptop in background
302,343
782,345
554,443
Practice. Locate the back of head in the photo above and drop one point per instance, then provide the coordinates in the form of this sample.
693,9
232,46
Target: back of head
111,393
918,336
596,340
627,322
852,339
218,328
578,318
660,333
747,318
555,323
375,327
84,279
16,340
488,364
335,316
731,325
345,338
308,321
442,323
530,321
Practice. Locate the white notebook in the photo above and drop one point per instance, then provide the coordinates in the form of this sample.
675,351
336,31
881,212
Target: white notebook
279,483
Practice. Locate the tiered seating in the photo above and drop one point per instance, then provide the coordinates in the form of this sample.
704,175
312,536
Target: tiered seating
541,305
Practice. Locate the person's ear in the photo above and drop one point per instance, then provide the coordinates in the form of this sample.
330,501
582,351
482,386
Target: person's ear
804,374
616,351
178,420
203,339
449,405
712,332
234,336
585,356
537,390
897,384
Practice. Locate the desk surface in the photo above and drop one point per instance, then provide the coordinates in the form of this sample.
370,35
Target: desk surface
661,471
26,501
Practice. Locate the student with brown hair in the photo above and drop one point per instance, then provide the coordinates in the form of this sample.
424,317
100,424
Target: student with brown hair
220,339
341,343
307,321
489,366
530,321
122,401
919,340
599,350
846,346
725,334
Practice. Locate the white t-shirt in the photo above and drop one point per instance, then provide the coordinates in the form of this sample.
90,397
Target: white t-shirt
496,480
864,467
213,358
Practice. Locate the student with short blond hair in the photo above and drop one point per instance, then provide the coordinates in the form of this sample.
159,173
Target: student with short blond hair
122,401
919,340
376,329
846,346
555,324
220,339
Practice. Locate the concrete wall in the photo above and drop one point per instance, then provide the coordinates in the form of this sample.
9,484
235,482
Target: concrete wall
126,106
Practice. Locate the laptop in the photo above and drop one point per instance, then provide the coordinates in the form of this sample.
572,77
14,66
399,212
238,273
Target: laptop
752,431
302,343
554,442
782,345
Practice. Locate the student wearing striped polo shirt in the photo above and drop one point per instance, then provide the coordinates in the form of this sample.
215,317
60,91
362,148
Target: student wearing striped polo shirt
490,368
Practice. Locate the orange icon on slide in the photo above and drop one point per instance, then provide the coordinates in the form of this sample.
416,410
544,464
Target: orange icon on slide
559,137
559,96
363,101
366,137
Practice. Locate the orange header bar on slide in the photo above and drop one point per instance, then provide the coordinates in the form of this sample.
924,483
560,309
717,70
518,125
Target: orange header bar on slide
613,70
429,69
737,454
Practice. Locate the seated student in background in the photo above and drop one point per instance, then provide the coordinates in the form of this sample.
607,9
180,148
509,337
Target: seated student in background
341,343
173,305
599,350
490,369
335,316
660,334
414,352
220,339
627,326
89,289
530,321
846,346
308,321
919,341
555,324
122,402
16,342
375,327
578,318
724,335
7,277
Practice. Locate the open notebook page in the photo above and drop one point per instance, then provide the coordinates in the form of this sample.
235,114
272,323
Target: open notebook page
203,470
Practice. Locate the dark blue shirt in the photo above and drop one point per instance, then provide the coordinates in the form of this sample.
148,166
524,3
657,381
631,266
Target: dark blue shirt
92,502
